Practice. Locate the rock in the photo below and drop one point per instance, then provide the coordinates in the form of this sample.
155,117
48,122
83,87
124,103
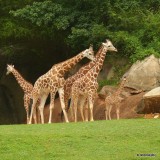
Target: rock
151,116
144,74
11,102
7,112
150,102
127,109
153,93
128,105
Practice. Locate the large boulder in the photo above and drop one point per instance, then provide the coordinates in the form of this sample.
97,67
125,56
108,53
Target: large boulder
144,74
127,108
153,93
150,102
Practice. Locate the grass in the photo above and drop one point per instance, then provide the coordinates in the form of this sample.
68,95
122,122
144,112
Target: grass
99,140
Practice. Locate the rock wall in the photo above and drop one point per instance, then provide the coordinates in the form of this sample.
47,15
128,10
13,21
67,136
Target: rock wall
11,101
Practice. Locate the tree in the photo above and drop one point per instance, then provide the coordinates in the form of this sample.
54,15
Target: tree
131,25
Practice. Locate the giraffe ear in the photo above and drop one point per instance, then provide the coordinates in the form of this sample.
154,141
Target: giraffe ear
13,65
91,46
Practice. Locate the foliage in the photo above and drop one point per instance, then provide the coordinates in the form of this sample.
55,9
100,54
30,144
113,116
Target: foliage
119,71
122,139
43,13
112,82
131,25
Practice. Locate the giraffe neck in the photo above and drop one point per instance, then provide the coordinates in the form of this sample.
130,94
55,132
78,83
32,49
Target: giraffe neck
87,67
92,63
68,64
119,90
83,70
99,63
21,81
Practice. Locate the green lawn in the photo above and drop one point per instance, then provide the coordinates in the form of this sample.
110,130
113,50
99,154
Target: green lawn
99,140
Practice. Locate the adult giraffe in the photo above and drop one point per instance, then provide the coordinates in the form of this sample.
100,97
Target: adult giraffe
80,73
26,87
87,86
53,81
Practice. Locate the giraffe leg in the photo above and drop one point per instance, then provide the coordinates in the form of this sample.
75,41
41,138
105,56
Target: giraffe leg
41,106
71,110
86,110
37,115
38,111
61,95
66,99
26,105
32,109
75,109
91,109
74,100
52,97
82,102
34,115
117,112
27,117
109,112
27,112
106,112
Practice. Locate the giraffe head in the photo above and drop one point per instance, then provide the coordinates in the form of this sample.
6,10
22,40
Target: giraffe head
89,53
108,46
124,79
9,69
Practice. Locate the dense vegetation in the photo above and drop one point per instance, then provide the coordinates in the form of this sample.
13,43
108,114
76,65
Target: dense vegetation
133,26
37,34
104,140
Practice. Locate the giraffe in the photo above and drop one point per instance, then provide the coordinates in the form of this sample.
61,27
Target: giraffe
86,86
80,73
53,81
25,85
114,100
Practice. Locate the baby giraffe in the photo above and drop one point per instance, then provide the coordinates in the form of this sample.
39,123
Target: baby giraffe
25,85
53,81
114,100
